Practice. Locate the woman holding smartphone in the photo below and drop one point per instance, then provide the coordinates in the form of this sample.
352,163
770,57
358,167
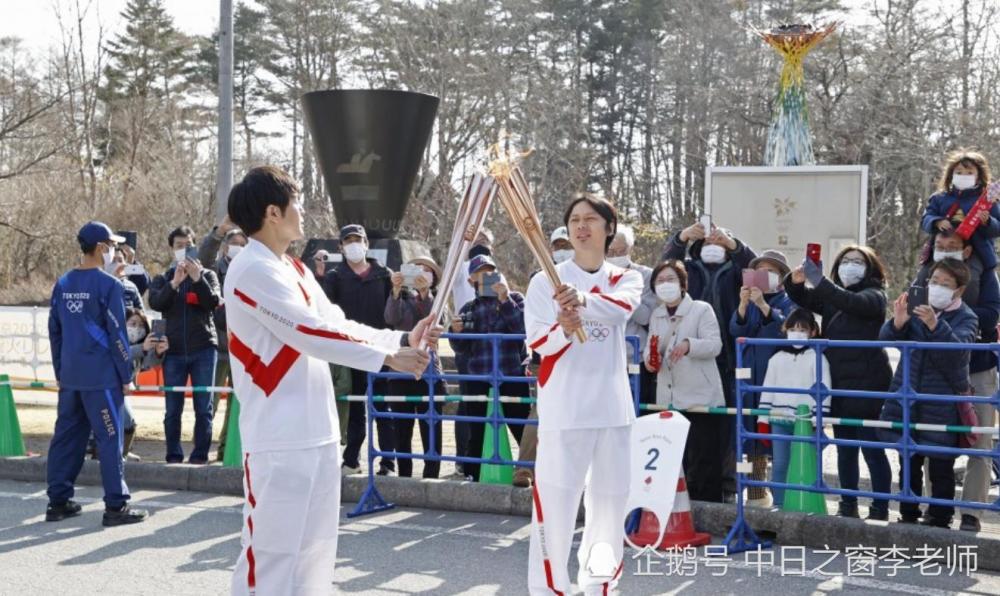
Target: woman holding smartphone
853,306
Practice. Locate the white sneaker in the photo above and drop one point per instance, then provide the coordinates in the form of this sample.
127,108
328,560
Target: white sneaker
764,503
132,457
346,470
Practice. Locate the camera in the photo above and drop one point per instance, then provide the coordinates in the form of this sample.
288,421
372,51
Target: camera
468,322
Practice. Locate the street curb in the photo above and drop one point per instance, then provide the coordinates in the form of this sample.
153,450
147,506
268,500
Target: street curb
798,529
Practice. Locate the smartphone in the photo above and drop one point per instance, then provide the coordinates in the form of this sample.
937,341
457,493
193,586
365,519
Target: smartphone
813,252
756,279
915,296
706,222
134,269
489,280
410,274
131,238
159,328
191,253
333,257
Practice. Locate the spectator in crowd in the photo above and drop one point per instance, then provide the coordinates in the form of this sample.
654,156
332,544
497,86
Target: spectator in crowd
92,365
360,286
963,179
496,309
187,296
559,245
715,261
133,297
462,293
793,367
945,319
684,343
852,306
141,280
982,295
620,255
220,247
410,302
760,314
147,352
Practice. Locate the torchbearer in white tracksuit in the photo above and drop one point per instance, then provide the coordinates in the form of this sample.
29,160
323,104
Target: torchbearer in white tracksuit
585,408
282,333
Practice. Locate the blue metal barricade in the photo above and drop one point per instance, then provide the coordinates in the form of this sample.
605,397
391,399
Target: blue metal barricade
742,538
371,501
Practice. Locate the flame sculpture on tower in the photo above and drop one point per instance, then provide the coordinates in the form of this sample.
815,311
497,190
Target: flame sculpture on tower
788,140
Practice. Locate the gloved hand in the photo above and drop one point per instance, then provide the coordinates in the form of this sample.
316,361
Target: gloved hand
765,429
813,271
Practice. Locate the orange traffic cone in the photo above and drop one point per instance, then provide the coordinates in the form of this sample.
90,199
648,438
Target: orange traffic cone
680,528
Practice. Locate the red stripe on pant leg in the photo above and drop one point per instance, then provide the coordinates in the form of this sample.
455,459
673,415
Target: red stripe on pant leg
246,472
538,503
614,577
548,578
251,579
545,560
251,563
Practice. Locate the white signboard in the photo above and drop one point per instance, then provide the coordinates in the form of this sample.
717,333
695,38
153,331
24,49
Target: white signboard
786,208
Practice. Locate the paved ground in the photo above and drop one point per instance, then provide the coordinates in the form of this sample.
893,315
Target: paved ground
191,542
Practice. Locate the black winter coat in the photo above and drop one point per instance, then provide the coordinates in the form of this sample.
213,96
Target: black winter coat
855,313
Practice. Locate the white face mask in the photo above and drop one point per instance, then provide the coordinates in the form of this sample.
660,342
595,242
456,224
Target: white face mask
713,254
940,296
620,261
799,336
355,252
963,181
109,258
233,250
561,256
668,291
135,334
851,273
773,281
944,254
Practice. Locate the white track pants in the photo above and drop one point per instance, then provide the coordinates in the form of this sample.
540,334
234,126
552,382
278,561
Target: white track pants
567,462
291,515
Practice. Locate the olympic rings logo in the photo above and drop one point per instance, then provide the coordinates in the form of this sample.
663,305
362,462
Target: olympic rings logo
75,306
600,333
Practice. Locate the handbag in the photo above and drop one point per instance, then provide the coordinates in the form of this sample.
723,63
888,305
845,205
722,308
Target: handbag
967,417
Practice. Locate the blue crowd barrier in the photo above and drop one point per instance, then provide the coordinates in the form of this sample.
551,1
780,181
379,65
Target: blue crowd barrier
371,500
741,536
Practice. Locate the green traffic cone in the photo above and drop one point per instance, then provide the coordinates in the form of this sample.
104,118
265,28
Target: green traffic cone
233,457
493,473
11,443
802,469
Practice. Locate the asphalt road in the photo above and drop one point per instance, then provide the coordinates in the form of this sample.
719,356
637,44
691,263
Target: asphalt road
190,544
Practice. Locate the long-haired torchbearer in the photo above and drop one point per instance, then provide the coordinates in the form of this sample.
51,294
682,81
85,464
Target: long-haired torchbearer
585,410
282,333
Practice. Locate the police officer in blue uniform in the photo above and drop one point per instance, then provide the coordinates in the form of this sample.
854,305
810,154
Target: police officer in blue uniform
90,353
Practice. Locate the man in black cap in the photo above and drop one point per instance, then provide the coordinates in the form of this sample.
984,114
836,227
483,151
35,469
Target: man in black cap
90,354
360,286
